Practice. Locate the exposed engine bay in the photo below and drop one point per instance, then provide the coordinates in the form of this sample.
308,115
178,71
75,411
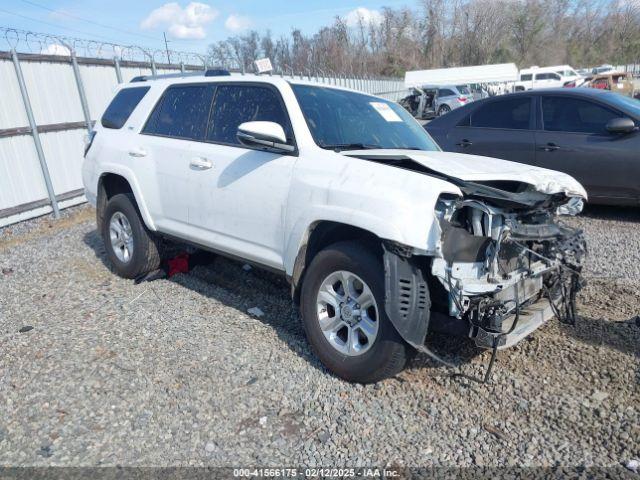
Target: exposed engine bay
499,264
508,266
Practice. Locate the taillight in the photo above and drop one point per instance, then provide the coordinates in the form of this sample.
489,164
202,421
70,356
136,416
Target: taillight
88,141
462,99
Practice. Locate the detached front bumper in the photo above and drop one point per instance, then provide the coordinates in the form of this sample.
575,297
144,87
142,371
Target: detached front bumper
530,318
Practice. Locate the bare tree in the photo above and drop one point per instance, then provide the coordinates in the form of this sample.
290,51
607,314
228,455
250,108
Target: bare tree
443,33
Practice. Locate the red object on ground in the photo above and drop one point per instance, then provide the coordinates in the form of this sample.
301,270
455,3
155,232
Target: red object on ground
178,264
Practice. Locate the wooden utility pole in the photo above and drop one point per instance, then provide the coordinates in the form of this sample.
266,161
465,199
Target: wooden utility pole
166,46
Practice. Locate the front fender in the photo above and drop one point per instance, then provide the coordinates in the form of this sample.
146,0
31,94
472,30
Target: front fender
391,203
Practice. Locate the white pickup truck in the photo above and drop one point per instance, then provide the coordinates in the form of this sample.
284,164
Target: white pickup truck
382,236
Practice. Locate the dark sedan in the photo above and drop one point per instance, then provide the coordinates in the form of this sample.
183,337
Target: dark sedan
590,134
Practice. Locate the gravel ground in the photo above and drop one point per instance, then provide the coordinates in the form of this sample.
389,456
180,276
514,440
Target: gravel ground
176,372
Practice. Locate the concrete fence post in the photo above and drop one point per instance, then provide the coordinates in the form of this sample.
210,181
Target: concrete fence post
81,92
116,64
35,134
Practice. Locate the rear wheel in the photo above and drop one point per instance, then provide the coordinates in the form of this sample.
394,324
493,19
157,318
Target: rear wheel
343,313
444,109
131,247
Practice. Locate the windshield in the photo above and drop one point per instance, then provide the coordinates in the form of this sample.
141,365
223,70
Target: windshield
343,120
630,105
463,89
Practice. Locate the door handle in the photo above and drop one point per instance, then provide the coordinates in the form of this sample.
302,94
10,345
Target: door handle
464,143
200,163
550,147
138,152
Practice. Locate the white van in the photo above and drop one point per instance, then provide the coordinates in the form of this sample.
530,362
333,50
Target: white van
545,77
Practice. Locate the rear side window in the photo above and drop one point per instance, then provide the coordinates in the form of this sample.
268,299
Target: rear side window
561,114
236,104
181,113
121,107
513,113
526,77
445,92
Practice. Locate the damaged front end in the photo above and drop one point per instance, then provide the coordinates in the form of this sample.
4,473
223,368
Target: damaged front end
505,263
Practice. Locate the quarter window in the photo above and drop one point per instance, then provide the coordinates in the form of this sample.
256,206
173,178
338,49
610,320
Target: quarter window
121,107
182,113
236,104
513,113
561,114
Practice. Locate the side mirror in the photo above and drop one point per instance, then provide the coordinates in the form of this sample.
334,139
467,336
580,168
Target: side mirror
266,135
621,125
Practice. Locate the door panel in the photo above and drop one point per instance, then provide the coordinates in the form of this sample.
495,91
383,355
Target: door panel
607,166
162,164
238,195
238,204
160,152
513,145
498,128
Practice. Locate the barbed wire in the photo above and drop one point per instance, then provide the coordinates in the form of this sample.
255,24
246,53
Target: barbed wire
27,41
30,42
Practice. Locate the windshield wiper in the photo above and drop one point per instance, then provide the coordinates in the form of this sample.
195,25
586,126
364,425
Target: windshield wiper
338,147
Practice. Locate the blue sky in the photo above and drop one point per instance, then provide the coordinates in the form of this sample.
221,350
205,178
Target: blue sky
189,25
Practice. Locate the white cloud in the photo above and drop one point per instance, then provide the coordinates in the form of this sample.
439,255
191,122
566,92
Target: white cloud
56,49
364,16
237,23
187,22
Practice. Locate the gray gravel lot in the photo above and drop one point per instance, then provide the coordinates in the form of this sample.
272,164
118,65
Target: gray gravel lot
175,372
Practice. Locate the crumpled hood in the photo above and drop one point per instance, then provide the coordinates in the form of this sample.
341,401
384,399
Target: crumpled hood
478,168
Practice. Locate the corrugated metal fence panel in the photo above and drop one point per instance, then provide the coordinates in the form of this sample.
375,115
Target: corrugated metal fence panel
12,112
53,92
54,97
99,82
64,153
21,179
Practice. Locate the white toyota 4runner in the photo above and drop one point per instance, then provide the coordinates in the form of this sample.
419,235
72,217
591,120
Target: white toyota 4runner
382,236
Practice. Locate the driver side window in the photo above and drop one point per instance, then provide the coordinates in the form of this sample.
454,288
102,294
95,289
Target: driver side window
236,104
561,114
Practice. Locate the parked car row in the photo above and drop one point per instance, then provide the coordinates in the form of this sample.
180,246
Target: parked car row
430,101
619,82
589,133
604,78
545,77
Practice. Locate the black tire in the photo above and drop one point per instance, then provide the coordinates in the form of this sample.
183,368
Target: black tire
388,354
146,254
444,109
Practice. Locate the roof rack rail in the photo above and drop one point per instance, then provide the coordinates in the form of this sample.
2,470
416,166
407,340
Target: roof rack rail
210,72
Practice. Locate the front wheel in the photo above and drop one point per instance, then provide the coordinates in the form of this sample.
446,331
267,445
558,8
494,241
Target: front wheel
343,314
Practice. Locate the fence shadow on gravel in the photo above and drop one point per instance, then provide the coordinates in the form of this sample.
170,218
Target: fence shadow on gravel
623,336
226,282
